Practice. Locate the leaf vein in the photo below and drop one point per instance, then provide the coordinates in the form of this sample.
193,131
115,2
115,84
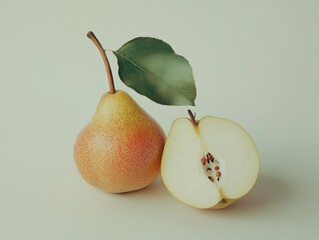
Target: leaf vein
138,66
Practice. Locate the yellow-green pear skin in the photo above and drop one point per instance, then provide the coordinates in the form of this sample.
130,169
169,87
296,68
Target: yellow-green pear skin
120,150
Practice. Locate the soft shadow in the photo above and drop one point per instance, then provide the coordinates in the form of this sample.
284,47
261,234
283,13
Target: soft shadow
155,190
269,193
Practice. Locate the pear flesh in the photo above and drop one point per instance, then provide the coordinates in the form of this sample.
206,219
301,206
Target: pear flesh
209,164
120,150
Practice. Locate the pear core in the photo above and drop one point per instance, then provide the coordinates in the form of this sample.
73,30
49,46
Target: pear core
209,164
120,150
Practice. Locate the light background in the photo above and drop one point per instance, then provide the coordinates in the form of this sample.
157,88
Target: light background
255,62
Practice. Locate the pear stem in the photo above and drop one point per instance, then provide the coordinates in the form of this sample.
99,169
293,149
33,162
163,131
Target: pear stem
97,43
192,116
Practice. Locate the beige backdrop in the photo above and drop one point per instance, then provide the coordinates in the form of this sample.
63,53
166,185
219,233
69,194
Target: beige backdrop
255,62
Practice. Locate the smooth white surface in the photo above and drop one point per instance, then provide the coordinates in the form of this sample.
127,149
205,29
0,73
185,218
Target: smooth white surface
255,62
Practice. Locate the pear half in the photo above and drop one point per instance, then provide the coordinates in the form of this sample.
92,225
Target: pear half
209,163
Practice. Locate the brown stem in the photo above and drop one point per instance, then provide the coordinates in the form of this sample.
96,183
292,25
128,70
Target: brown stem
91,36
192,116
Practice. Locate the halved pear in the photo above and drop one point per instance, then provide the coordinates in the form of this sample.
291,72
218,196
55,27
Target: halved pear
209,163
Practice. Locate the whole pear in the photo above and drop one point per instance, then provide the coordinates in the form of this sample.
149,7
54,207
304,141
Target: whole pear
120,150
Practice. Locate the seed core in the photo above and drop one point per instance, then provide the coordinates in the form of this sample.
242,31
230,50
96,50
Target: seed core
211,167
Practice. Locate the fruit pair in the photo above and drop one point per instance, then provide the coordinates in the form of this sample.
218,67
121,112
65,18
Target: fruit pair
205,164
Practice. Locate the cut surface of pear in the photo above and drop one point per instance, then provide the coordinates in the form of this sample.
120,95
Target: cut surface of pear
210,163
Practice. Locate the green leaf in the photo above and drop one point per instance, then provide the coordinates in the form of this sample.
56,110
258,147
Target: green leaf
151,67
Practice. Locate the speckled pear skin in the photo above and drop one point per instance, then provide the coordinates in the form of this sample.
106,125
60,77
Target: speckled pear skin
120,150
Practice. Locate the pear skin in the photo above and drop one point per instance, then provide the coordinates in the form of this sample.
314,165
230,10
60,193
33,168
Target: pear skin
120,150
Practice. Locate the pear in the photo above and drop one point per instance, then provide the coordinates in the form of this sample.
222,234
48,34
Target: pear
120,149
209,163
